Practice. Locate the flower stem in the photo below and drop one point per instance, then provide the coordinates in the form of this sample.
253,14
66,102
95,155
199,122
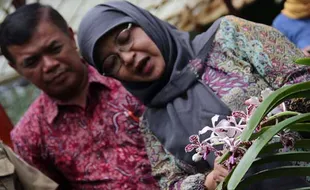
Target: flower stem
285,115
224,157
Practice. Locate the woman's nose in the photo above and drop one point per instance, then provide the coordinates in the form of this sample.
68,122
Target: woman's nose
127,57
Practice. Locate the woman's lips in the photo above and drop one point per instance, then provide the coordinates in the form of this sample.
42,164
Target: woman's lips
147,67
144,66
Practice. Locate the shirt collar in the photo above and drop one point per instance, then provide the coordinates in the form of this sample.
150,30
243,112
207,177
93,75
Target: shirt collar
51,104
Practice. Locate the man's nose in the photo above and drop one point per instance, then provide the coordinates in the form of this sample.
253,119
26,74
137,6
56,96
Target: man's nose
49,63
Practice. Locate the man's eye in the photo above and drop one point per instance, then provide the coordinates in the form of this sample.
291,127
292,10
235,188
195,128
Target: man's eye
123,38
30,62
55,49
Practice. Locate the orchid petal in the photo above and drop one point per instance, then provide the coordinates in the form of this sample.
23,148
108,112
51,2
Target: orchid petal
191,147
214,119
204,130
239,114
276,110
252,101
223,123
251,109
265,93
196,157
283,107
194,139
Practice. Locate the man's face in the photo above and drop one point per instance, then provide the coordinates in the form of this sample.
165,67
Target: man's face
50,61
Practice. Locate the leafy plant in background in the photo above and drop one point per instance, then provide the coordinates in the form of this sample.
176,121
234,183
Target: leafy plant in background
246,137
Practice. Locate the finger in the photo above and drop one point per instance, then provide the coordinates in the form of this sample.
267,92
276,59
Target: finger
217,176
221,170
218,179
222,174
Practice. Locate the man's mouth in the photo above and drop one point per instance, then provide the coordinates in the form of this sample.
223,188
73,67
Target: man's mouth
55,76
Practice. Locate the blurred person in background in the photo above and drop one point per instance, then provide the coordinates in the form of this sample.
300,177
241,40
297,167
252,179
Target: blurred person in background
294,23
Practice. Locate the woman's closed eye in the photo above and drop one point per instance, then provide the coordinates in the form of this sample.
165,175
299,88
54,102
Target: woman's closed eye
109,63
123,38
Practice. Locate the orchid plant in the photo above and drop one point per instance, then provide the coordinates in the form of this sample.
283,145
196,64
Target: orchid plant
246,136
227,133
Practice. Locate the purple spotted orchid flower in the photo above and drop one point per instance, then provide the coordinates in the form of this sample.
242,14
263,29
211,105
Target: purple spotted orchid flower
226,132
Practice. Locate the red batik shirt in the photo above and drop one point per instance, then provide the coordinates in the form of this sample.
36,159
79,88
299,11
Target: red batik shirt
99,147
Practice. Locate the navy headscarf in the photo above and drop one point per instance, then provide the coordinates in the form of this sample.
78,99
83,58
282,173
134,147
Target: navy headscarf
178,104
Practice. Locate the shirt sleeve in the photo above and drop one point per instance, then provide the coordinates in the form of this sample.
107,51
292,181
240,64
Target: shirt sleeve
27,144
171,173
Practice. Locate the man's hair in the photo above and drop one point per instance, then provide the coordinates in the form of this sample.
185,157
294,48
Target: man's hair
18,27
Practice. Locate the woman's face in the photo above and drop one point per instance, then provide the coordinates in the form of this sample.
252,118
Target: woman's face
127,53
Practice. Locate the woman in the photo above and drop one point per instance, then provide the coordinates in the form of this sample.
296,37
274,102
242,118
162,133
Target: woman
233,60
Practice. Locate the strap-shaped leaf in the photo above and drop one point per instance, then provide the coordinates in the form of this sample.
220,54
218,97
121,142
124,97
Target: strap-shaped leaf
257,146
303,188
303,61
302,127
273,173
278,117
304,143
257,134
283,156
282,94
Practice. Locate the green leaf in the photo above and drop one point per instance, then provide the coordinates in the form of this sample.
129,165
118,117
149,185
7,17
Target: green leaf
256,147
278,117
283,156
304,127
273,173
277,97
303,188
303,61
304,143
224,157
257,134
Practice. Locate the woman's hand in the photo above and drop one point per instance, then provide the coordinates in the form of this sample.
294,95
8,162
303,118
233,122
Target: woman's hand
216,176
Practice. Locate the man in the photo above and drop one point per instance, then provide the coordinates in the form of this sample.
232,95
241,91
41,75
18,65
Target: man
82,131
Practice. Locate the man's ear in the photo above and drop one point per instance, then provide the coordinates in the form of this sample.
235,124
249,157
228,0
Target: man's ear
71,35
12,65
